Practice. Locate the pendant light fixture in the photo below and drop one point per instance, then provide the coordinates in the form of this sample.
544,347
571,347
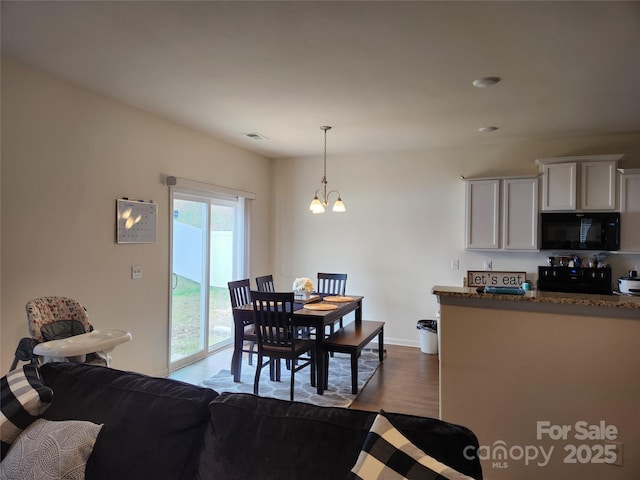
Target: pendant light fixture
321,198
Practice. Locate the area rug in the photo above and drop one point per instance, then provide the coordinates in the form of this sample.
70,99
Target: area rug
338,393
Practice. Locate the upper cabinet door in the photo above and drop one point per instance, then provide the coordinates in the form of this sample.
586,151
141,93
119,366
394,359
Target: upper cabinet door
520,214
598,185
630,212
587,182
482,214
559,186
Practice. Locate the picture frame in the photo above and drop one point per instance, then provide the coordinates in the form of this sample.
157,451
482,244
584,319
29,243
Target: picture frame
136,221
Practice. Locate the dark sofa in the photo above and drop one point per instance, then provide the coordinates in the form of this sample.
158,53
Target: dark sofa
157,428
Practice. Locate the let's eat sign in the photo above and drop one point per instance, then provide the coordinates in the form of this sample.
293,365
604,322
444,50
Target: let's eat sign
485,278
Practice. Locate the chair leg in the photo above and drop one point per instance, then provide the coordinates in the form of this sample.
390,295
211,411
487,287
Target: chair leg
325,375
274,369
236,364
256,380
293,374
331,330
313,368
251,347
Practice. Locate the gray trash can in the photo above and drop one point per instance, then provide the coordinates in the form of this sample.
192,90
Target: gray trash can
428,336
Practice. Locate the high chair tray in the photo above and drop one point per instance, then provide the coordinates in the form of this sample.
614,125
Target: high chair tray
96,341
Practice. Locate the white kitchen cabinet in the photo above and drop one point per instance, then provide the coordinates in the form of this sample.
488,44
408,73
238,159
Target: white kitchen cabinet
579,183
520,213
502,213
630,210
559,182
598,185
482,214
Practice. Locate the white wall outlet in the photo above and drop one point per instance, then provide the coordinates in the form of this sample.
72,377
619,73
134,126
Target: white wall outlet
617,450
488,265
136,272
455,264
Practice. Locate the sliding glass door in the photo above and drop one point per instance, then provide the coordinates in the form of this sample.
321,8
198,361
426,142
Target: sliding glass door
208,245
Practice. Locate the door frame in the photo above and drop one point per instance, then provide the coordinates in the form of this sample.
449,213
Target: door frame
241,261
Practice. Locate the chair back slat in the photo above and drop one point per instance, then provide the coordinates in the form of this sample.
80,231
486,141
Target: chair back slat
265,283
240,292
273,318
332,283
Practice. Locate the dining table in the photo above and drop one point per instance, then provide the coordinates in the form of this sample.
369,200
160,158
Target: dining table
305,315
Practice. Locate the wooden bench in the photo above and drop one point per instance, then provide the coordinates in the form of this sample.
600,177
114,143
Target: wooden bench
351,339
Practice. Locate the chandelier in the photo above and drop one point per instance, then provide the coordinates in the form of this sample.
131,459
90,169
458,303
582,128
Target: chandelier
321,198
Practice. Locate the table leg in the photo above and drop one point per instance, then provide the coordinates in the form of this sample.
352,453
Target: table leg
236,359
320,361
358,313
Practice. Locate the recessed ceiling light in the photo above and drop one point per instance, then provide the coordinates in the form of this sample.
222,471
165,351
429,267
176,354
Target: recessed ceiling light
485,82
487,129
255,136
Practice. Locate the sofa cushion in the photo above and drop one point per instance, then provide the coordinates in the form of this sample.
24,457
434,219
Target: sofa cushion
24,398
50,451
270,439
153,427
388,454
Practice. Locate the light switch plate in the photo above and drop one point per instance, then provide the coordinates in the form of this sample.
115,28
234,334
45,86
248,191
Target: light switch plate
136,272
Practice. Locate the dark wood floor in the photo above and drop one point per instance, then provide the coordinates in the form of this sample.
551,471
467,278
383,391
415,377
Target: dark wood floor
407,382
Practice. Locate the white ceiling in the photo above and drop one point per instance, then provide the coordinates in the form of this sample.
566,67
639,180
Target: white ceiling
388,75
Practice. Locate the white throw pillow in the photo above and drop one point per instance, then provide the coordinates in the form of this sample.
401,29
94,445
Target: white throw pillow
49,450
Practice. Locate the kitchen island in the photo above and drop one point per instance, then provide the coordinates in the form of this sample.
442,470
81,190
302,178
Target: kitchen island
531,373
535,300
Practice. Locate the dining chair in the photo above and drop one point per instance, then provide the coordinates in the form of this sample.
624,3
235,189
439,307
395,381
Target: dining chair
332,284
240,293
277,336
265,283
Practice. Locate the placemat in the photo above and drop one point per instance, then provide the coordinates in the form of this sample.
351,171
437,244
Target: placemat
338,298
320,306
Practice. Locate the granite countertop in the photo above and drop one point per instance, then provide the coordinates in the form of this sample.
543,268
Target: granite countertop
536,296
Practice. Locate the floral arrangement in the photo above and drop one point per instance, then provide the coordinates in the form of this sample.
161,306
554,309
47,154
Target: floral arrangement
303,283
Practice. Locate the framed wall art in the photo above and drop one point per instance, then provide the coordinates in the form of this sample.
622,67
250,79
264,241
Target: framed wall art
136,221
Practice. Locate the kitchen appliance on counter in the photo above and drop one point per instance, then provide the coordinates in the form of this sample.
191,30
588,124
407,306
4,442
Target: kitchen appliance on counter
575,280
629,285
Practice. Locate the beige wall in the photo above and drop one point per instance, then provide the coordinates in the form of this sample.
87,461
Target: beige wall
405,221
67,154
502,371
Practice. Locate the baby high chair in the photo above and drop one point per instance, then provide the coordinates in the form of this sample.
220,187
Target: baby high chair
60,330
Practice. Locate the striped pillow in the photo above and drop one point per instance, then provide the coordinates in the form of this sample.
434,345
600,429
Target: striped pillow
387,454
24,397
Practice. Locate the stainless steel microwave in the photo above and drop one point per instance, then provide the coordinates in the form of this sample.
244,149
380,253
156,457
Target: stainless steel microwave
580,231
